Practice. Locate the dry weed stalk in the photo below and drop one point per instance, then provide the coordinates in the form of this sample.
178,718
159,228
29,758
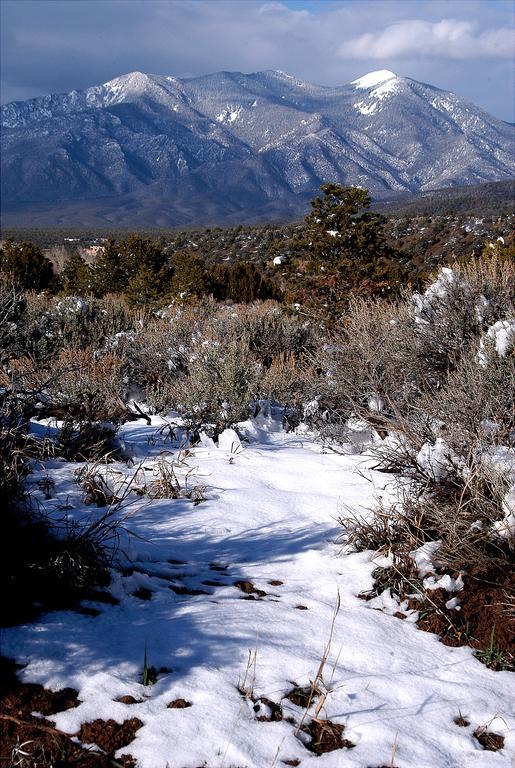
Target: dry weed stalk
166,484
246,686
319,688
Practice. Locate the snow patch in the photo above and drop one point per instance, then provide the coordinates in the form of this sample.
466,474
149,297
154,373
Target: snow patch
229,115
366,109
426,304
423,557
268,518
385,89
374,78
501,337
437,460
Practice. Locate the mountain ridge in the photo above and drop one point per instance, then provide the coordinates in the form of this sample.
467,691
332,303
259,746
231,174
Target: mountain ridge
230,145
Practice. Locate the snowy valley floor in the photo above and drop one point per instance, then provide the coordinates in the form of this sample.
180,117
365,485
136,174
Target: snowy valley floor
268,523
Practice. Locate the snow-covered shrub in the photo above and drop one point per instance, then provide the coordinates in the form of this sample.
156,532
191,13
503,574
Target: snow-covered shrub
43,326
37,329
457,307
91,322
172,345
446,318
159,352
222,381
462,511
451,412
87,387
165,344
389,363
290,381
271,332
475,406
491,278
368,367
11,307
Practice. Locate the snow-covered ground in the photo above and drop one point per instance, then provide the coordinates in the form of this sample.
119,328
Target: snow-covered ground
269,515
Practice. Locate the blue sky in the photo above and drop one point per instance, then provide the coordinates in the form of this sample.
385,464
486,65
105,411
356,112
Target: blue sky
466,46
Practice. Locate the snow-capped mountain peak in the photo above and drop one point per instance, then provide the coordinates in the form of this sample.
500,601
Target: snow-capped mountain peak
131,81
373,79
239,147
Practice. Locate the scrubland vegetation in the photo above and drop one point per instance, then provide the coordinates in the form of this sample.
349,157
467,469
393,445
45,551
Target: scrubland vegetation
412,365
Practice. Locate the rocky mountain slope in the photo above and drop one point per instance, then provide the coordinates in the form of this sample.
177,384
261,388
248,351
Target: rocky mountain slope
228,147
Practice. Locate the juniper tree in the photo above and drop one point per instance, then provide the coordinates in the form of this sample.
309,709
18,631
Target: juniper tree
347,240
121,261
77,276
25,265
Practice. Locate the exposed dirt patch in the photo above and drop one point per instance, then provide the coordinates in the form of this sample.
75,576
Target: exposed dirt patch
302,696
482,621
179,704
108,734
17,698
489,741
325,737
245,586
129,700
460,720
34,698
44,743
267,711
248,588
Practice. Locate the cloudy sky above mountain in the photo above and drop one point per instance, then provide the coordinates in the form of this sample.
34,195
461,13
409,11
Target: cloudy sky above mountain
466,46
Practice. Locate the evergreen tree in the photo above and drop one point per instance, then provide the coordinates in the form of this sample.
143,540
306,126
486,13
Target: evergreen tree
242,283
77,276
121,261
25,265
333,231
189,274
146,287
347,242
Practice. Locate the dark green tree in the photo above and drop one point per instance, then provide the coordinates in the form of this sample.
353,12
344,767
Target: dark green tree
347,241
77,276
189,274
145,287
122,260
333,230
25,265
243,283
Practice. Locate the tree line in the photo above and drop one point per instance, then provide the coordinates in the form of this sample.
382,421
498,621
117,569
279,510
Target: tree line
341,246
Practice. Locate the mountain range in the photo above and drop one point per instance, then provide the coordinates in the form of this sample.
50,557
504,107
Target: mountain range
153,150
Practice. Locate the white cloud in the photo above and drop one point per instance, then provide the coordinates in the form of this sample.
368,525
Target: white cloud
447,38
